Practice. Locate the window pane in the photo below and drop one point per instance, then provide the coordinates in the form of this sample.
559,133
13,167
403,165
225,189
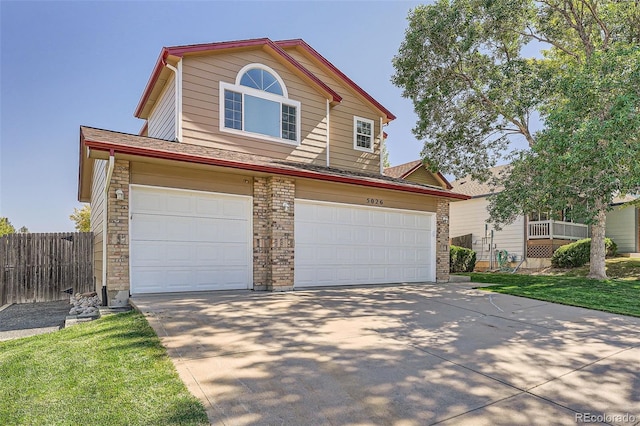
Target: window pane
252,78
270,84
261,116
289,123
261,80
232,110
363,141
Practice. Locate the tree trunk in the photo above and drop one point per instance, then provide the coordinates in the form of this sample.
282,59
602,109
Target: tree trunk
597,268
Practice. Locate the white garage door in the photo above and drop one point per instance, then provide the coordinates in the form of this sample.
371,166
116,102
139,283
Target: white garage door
189,240
339,244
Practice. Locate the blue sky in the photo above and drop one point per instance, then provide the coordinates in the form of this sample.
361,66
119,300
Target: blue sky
66,64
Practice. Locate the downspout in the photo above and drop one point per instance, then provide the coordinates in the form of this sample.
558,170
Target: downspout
328,131
178,96
381,148
105,214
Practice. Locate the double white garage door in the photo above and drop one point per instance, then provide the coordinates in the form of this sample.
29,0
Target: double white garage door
194,241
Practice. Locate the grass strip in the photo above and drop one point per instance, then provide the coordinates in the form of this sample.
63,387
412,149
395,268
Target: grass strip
615,296
112,371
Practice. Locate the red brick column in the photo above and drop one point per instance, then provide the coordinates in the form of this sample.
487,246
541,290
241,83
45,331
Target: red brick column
118,237
442,241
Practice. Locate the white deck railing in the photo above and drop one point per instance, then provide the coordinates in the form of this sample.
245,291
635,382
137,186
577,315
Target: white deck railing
548,229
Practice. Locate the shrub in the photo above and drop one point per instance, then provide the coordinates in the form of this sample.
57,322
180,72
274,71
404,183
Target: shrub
577,253
461,259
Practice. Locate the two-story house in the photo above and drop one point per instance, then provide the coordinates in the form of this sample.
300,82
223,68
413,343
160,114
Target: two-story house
258,167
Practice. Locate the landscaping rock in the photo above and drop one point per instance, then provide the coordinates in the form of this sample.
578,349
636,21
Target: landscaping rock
85,304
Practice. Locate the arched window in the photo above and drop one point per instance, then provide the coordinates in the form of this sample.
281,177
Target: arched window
258,104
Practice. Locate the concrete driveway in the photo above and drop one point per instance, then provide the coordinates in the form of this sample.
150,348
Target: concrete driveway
399,355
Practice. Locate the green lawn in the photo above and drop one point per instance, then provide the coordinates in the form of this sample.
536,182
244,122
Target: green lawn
112,371
620,296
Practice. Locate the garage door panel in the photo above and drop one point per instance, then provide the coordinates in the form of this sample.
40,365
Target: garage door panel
148,254
339,244
189,241
233,231
377,236
178,229
152,227
233,254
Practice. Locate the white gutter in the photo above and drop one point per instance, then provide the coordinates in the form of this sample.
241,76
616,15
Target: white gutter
178,98
328,131
381,148
105,214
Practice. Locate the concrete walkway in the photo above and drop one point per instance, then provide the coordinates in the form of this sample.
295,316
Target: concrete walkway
399,355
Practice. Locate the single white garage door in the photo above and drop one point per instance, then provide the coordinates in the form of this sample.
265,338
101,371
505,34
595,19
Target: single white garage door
344,244
189,240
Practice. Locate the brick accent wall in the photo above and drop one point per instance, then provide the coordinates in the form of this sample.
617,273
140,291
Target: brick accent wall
273,233
442,241
118,234
261,234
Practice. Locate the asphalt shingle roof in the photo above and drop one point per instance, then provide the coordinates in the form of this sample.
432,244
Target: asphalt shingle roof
158,148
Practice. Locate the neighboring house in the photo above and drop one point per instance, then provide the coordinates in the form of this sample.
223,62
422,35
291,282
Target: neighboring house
415,171
531,239
258,167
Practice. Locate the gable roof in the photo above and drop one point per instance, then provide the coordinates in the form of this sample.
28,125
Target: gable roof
321,60
274,48
473,188
128,144
403,170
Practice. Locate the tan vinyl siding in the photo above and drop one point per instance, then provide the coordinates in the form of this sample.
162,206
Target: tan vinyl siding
621,228
201,77
189,178
422,175
469,217
342,153
352,194
162,120
97,217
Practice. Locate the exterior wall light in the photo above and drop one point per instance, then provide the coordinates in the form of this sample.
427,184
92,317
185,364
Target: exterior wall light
119,194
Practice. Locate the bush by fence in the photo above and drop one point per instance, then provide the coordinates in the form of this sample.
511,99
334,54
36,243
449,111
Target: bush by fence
461,259
39,267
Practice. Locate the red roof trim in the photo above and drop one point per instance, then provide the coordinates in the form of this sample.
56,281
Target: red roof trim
144,128
145,152
180,51
325,62
157,69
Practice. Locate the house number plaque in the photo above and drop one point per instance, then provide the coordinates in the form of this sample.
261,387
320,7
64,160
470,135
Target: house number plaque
375,201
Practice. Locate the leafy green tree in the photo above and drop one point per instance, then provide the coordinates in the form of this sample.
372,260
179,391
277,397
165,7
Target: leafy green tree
589,150
82,218
462,64
6,227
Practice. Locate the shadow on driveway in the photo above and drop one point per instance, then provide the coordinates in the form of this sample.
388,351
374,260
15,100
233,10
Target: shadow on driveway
398,355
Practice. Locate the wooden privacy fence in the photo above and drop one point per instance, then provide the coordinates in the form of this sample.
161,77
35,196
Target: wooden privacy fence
40,267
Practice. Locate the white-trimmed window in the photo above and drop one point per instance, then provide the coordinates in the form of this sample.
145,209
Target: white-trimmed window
363,134
258,104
